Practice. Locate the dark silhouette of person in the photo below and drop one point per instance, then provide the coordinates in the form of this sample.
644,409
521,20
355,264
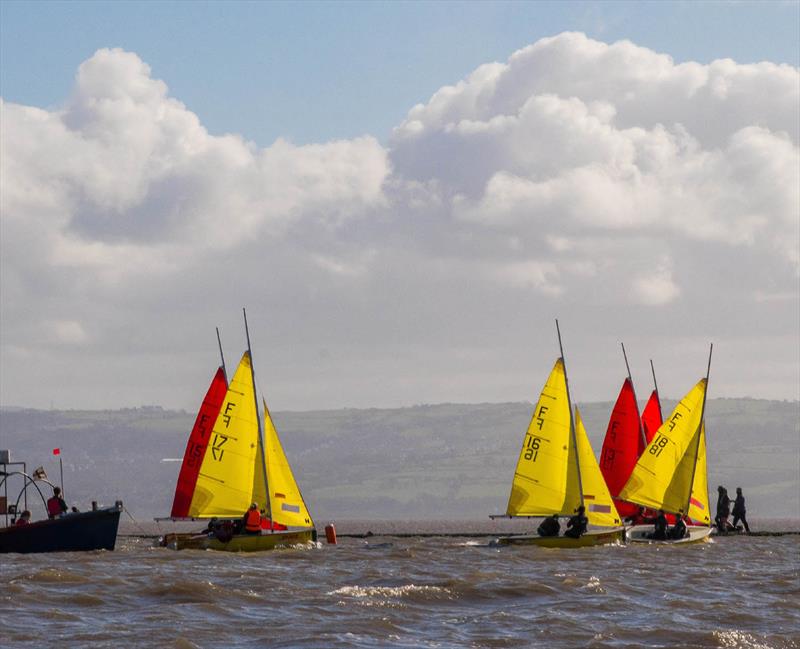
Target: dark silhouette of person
549,526
739,510
723,509
660,527
678,530
56,507
577,524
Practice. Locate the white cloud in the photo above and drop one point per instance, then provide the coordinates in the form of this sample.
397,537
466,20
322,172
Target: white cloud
602,182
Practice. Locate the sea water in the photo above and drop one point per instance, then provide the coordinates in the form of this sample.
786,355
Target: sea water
385,591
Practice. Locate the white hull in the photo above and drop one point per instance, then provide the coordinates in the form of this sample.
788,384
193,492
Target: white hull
641,534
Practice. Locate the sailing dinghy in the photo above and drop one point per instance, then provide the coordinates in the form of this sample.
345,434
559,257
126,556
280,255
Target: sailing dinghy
232,465
671,474
557,472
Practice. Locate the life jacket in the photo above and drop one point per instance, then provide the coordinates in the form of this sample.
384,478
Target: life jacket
54,507
253,521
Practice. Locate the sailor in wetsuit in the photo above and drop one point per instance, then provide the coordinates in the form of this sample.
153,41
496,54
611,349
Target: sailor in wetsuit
660,527
678,531
549,526
576,525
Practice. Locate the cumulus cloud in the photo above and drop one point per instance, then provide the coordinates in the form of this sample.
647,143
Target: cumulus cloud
600,181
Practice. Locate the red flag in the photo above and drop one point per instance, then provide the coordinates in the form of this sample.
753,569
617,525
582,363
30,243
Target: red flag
56,451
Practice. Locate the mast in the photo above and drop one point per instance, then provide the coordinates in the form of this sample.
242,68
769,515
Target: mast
700,430
655,386
222,356
642,436
258,420
571,415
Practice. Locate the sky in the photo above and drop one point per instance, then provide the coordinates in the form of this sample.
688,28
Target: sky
405,196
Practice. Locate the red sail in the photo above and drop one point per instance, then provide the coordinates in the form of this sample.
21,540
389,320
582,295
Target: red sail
198,441
651,417
622,446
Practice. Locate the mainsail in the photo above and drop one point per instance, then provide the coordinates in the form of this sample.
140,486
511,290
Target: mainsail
556,471
228,481
197,444
651,417
540,479
622,446
673,465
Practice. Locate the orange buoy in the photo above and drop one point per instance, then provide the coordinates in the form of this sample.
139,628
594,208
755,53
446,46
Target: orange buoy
330,534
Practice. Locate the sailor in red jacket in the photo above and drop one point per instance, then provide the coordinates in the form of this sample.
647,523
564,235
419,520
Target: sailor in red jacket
24,519
56,505
252,520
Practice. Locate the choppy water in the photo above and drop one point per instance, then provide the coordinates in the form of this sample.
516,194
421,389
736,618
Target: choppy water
417,592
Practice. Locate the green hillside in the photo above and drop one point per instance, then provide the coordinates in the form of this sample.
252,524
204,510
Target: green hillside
445,461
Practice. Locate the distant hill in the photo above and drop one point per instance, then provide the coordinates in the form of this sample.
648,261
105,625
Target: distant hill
446,461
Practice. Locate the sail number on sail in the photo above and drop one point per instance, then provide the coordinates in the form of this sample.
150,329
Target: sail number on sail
532,447
662,440
658,445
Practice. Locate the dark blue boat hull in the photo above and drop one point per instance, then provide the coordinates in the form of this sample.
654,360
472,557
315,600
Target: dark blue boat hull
93,530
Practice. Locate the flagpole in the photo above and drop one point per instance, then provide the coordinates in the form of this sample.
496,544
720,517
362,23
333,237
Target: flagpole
571,414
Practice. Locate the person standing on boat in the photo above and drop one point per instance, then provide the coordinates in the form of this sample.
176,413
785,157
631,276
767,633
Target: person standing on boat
576,525
56,507
549,526
24,519
252,520
678,531
739,510
723,509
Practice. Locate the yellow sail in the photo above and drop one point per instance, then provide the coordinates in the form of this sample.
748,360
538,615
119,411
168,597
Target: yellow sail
600,508
540,479
698,504
663,476
225,484
288,507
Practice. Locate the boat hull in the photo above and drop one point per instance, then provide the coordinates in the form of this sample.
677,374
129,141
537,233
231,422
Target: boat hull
240,542
591,538
639,533
79,532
